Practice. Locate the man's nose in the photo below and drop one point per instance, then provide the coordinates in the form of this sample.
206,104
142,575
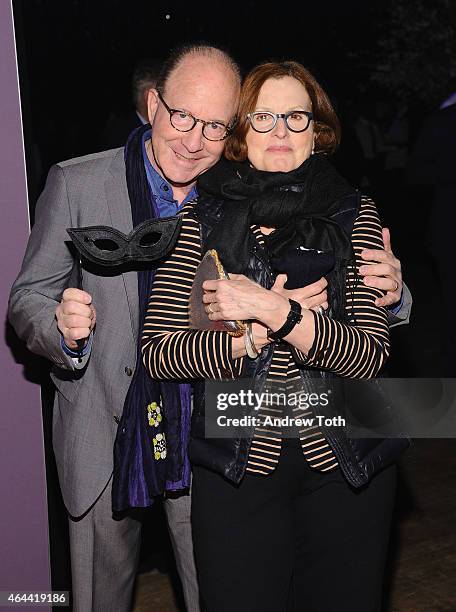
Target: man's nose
280,128
193,139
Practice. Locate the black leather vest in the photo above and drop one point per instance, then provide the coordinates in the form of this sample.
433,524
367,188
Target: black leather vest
359,459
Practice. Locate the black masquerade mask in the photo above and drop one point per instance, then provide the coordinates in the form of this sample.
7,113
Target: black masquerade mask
106,246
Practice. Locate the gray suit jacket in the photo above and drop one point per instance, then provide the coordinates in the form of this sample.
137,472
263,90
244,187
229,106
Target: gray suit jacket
90,190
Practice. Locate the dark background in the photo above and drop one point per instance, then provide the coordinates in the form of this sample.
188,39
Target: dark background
76,58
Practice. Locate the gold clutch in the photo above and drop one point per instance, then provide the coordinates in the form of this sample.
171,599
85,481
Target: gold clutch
210,268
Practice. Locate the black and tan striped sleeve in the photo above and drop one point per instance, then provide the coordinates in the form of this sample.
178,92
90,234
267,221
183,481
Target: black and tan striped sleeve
170,349
361,349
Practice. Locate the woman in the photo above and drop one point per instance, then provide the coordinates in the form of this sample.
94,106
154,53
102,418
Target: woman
279,520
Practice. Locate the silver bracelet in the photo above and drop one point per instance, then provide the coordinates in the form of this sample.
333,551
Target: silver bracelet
250,347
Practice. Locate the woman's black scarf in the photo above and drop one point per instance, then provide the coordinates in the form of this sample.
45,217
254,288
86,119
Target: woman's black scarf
297,203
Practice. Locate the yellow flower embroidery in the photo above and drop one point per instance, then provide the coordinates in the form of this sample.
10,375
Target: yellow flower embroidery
159,446
154,414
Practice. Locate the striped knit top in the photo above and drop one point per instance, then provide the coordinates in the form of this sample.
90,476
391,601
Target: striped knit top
173,351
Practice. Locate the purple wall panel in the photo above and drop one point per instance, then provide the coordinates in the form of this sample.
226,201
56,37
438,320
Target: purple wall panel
24,556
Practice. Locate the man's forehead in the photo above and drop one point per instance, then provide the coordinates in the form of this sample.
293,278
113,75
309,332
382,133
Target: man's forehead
199,67
202,84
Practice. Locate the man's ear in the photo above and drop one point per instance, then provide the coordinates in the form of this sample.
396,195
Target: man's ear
152,104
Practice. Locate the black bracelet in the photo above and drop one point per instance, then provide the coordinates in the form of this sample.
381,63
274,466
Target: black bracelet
294,317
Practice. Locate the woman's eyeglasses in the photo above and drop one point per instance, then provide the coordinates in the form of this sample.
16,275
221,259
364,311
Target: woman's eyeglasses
264,121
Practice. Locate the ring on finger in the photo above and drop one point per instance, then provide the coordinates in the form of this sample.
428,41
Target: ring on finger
320,310
209,309
397,286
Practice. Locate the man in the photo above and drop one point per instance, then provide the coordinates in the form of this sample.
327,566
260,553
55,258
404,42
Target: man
119,126
51,315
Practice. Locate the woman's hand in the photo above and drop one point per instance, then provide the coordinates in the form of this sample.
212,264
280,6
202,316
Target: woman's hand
311,297
239,298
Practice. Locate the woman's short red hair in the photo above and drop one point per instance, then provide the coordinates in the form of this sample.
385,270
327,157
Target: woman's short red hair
326,122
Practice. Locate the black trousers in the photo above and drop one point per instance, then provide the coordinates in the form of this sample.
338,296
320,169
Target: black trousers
294,540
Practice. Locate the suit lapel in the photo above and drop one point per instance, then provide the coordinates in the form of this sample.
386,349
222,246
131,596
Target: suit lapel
120,214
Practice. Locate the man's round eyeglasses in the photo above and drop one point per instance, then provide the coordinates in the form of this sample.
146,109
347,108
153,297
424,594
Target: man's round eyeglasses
264,121
183,121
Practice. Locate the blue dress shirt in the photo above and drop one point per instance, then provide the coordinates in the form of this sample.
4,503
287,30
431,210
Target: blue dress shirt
161,189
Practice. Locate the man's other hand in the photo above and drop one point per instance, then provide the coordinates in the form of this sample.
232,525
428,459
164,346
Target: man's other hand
385,273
